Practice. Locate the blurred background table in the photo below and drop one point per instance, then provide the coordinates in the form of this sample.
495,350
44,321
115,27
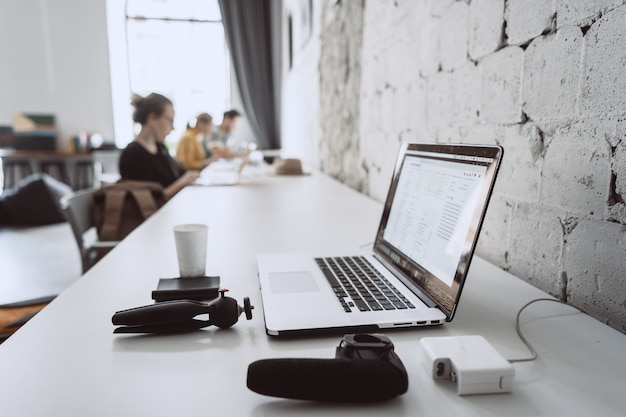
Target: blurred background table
77,169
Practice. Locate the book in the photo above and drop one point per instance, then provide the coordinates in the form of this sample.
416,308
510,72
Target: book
197,288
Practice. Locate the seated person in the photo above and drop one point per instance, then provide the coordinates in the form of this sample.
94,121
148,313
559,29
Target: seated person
217,143
189,150
146,158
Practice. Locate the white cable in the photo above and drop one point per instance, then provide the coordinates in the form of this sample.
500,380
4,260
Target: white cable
519,331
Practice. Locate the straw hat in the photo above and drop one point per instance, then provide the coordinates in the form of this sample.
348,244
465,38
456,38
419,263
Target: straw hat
288,166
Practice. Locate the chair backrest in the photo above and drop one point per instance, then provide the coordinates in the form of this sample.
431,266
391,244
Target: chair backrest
77,208
78,211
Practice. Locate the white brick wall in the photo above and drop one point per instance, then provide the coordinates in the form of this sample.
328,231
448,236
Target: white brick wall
454,43
520,176
527,19
536,245
500,96
485,27
576,171
604,63
583,12
546,79
552,74
428,45
594,268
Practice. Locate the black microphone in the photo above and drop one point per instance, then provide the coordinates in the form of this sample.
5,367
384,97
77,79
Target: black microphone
348,378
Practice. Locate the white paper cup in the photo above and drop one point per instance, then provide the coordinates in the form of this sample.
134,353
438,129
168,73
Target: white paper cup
191,244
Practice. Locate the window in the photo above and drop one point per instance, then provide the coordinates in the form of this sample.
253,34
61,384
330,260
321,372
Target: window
173,47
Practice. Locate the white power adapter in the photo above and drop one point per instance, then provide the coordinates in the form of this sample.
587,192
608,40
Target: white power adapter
470,361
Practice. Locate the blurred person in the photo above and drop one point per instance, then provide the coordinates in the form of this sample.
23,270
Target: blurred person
217,144
146,158
189,150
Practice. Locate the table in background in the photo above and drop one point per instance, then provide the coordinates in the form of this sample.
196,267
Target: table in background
67,361
73,168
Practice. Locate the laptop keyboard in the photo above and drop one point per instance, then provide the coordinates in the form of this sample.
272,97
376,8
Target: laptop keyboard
358,285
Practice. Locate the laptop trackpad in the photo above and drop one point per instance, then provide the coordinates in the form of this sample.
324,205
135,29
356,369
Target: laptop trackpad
292,282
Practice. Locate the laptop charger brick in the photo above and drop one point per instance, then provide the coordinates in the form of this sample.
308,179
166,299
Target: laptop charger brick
471,362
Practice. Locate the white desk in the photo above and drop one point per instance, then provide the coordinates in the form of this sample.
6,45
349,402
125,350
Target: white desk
67,361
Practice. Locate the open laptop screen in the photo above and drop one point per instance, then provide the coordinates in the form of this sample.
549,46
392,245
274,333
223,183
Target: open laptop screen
432,216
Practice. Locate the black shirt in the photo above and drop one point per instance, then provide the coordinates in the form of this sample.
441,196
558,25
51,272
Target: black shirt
136,163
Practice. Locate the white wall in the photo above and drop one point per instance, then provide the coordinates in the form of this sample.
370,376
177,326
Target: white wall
55,60
300,114
543,78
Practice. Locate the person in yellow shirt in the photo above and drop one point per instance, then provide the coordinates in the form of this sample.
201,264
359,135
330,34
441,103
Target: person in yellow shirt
189,150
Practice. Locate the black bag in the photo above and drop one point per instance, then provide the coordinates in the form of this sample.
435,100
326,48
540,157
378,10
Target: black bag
33,201
119,208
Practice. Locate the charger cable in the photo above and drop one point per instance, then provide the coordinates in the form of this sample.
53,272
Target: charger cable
519,330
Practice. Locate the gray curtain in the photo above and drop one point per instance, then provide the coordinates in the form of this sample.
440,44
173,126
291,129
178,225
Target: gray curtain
251,28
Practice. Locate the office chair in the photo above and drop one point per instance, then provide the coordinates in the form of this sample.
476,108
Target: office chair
77,209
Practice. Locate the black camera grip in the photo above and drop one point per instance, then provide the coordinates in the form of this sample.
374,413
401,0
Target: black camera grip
335,380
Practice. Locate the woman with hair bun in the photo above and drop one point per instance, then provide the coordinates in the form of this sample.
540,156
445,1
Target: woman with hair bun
146,158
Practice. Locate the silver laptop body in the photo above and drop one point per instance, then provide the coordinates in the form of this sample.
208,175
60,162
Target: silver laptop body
423,247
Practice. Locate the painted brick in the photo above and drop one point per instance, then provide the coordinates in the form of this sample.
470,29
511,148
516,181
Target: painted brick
418,13
551,75
616,210
417,119
486,20
594,266
576,170
387,109
520,171
404,22
482,134
493,241
527,19
428,47
438,94
449,134
401,110
439,7
536,245
465,99
368,122
604,62
374,73
583,12
372,14
453,97
403,66
453,43
381,155
500,100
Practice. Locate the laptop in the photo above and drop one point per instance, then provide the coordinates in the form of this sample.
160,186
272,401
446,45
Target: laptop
414,274
222,172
